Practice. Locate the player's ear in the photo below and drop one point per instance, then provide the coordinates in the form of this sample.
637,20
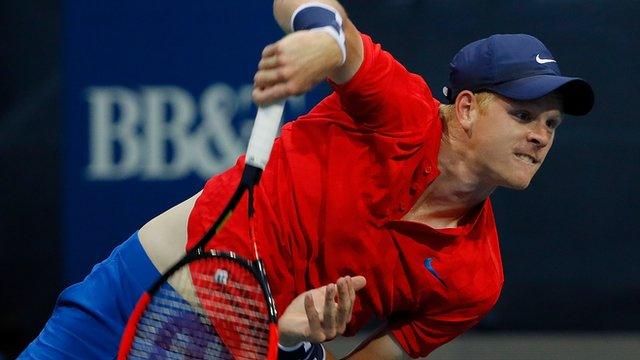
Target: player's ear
465,107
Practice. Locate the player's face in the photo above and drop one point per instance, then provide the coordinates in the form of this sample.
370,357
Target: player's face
512,139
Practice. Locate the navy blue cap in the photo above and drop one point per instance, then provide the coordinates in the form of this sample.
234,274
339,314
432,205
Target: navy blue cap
516,66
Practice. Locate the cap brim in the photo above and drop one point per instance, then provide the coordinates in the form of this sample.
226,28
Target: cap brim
577,94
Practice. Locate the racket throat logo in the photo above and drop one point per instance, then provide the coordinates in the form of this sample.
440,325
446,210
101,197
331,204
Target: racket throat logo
221,276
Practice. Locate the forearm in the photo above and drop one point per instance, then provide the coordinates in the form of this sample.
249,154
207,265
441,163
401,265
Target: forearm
284,9
300,60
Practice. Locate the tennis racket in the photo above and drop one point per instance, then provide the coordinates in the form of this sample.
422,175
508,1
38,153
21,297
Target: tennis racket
213,304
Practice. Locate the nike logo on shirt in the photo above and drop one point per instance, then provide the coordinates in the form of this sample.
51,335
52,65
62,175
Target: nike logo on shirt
429,266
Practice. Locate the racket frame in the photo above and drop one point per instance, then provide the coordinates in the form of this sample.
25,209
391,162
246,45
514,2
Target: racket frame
260,144
255,267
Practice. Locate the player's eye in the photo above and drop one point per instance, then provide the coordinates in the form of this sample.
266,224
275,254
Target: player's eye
522,115
553,123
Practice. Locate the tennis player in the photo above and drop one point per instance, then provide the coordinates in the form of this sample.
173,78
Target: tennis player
374,205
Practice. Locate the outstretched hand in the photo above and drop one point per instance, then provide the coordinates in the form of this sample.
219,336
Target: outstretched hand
293,65
303,321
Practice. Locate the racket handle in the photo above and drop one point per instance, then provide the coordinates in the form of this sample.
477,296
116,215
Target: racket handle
263,134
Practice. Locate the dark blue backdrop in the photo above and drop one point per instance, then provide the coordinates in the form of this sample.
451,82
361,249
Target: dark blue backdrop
155,79
570,243
157,100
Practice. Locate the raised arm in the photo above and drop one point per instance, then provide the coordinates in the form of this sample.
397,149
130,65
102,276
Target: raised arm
283,10
301,59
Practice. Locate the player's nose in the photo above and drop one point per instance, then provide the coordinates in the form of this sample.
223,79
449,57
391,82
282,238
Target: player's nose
539,134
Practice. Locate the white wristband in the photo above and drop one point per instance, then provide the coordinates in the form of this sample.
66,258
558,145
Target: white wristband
317,20
339,37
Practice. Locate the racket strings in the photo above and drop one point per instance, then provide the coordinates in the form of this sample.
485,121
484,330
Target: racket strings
171,328
216,310
241,314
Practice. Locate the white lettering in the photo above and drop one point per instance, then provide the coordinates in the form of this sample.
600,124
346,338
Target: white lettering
162,133
218,106
113,117
170,111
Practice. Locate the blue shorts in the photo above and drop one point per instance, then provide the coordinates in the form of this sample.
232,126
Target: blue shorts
90,316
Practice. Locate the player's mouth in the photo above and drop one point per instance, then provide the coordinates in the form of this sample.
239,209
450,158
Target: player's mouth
526,158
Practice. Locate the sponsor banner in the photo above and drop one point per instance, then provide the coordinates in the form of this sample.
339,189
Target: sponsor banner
158,99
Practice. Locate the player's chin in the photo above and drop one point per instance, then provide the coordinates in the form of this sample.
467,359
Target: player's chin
519,177
518,181
519,185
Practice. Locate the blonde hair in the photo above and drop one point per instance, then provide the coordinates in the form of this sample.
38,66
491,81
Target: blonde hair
447,111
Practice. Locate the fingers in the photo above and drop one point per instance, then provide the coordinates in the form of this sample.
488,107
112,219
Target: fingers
315,325
293,65
267,63
270,50
269,77
270,82
263,96
345,304
337,315
352,290
336,311
359,282
330,312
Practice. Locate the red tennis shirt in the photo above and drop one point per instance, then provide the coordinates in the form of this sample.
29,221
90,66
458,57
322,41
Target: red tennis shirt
331,200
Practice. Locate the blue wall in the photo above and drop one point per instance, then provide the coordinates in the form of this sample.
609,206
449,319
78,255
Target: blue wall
570,242
158,98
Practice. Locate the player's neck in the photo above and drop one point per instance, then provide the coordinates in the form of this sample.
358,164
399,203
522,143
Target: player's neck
454,193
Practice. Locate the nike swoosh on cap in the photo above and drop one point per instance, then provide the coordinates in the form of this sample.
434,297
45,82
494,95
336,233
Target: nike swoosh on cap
540,60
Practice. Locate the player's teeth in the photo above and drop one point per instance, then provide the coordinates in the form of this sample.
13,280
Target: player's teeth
526,158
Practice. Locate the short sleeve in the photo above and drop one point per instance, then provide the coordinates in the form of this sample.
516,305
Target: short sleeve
420,336
383,95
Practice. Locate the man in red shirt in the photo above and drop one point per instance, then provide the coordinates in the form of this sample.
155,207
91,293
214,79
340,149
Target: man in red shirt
388,183
379,182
